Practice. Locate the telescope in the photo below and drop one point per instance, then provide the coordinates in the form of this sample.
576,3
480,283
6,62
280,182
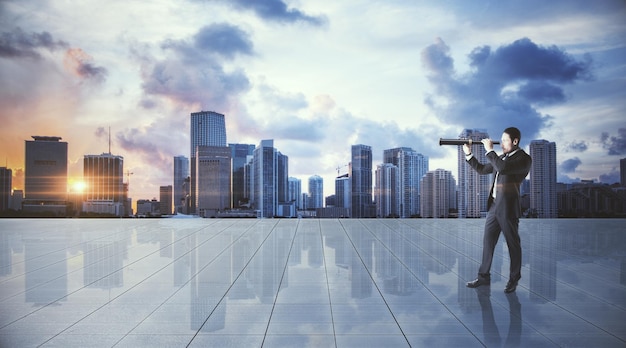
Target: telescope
461,142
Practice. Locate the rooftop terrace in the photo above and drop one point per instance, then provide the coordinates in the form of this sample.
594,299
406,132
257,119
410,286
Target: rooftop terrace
308,282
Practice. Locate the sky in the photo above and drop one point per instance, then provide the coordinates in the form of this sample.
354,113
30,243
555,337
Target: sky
315,76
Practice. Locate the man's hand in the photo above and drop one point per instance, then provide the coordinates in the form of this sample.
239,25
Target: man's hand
488,144
467,149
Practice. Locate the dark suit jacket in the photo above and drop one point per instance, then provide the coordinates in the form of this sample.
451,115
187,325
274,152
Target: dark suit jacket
512,172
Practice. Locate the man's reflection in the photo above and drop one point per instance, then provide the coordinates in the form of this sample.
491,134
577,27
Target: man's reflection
490,329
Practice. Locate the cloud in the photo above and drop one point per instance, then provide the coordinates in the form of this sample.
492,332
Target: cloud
616,145
504,85
80,64
576,146
192,73
276,10
19,44
570,165
610,178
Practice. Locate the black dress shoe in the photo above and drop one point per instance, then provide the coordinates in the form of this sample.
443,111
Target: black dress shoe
478,282
510,286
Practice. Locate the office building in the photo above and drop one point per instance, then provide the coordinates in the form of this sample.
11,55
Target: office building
45,177
213,190
342,192
165,199
208,128
269,187
295,192
316,192
180,187
543,200
386,190
411,166
104,185
473,188
241,154
622,172
6,182
438,193
361,182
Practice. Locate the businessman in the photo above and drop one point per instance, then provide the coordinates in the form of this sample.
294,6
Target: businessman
503,204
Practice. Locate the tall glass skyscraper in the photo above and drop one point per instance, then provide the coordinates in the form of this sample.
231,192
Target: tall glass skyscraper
543,201
270,179
6,178
473,188
180,190
241,154
207,128
412,166
316,192
361,181
387,190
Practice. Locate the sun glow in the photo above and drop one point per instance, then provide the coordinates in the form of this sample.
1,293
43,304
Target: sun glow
78,186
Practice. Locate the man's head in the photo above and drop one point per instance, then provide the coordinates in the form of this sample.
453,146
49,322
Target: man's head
510,139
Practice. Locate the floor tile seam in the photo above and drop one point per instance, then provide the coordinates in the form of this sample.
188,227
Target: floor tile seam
330,301
369,272
87,285
59,250
84,266
232,284
190,278
423,284
559,306
127,290
282,277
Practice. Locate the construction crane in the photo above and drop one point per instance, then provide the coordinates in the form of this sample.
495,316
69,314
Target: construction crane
339,168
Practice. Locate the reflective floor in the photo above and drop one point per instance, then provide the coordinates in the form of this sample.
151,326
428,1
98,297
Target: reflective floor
306,283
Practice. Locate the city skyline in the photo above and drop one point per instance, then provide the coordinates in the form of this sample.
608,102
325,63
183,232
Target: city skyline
314,77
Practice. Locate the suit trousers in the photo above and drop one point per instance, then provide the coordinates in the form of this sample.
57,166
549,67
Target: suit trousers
494,224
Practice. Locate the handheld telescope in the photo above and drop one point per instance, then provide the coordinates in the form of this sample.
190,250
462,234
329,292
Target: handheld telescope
461,142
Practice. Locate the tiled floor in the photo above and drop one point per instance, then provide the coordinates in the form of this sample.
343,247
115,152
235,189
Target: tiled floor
298,283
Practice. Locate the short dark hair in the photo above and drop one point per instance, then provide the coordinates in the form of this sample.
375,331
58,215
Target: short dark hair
514,133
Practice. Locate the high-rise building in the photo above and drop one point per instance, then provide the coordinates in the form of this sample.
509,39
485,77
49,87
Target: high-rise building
104,184
622,172
165,199
208,128
213,189
411,166
295,192
473,188
386,190
316,192
265,180
342,191
45,177
438,192
361,182
6,179
180,191
543,201
241,154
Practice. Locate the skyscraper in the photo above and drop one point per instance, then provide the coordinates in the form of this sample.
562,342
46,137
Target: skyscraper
104,182
622,172
265,180
438,192
241,154
543,203
361,181
6,178
473,188
45,181
316,192
208,128
411,167
295,192
165,199
213,189
180,191
342,191
386,190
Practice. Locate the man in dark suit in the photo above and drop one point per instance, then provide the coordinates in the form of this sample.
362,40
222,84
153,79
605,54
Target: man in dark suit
503,205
